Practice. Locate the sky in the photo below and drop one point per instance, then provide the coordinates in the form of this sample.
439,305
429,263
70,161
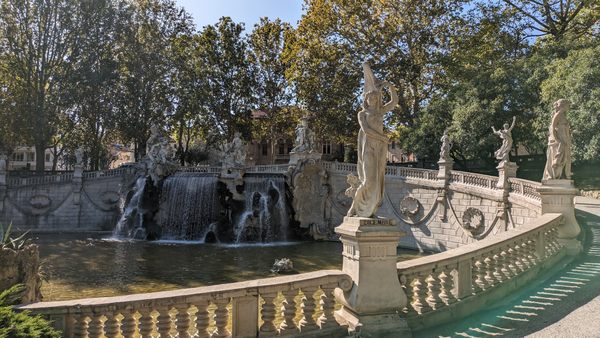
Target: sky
208,12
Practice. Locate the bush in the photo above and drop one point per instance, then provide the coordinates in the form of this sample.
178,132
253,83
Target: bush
21,324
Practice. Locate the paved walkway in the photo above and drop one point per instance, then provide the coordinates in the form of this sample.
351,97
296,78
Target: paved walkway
566,303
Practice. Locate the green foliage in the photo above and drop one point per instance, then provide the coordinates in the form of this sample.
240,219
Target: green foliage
6,241
21,324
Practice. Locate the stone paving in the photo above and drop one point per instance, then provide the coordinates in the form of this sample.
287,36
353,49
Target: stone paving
565,303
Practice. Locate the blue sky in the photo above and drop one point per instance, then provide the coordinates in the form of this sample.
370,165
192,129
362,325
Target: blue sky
207,12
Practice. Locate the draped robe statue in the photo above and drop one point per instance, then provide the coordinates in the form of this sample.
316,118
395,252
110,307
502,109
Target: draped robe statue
505,135
558,155
372,146
446,146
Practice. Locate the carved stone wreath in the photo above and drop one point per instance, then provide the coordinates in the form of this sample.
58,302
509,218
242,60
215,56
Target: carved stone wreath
473,220
410,206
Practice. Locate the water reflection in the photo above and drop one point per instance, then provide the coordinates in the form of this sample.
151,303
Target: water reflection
79,266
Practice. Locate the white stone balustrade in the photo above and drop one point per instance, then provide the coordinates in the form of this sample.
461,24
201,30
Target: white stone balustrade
435,282
227,310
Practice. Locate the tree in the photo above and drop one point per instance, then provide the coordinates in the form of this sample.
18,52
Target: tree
146,69
38,38
223,61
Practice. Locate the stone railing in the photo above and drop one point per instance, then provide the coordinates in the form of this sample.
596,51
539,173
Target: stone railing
275,168
200,169
527,189
213,311
36,180
108,173
446,279
476,180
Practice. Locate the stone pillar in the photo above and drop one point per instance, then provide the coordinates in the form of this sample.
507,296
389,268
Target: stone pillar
506,170
445,169
373,305
558,197
77,183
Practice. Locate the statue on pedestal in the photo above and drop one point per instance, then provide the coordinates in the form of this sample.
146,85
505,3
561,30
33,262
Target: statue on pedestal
3,159
234,152
372,146
558,156
305,138
79,156
505,134
446,146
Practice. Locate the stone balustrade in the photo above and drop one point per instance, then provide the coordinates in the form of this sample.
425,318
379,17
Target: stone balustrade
446,279
527,189
200,169
65,177
243,309
476,180
276,168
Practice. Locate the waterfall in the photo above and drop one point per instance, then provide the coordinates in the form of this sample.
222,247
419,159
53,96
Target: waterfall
189,205
131,222
265,217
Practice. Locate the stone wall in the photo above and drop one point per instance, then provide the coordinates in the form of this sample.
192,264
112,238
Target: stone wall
21,267
436,217
93,205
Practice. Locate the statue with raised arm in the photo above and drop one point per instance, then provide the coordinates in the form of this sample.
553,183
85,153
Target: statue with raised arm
505,135
372,145
558,155
79,156
234,152
446,146
305,138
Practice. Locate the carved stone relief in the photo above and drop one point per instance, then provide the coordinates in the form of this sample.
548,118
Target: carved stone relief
473,220
410,206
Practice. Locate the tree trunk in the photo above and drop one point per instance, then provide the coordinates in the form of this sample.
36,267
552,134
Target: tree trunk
40,157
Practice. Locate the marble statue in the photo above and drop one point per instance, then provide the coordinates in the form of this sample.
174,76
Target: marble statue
505,134
79,156
558,156
446,146
160,155
305,138
372,146
234,152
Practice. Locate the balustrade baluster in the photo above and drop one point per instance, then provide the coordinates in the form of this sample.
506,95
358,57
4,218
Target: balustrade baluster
433,291
128,325
447,284
146,323
221,318
268,314
81,327
478,275
164,321
288,311
531,256
308,309
183,320
419,294
95,326
506,271
554,240
327,305
497,261
489,271
519,259
111,325
202,319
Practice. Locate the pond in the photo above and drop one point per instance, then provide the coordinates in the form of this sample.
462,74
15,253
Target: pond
84,266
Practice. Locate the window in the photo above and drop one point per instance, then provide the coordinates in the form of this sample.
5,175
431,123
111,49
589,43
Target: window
265,149
48,157
326,147
18,157
393,145
281,147
30,156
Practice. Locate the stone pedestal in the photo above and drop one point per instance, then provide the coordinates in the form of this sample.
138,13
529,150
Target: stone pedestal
296,157
77,183
558,197
373,305
506,170
445,169
233,177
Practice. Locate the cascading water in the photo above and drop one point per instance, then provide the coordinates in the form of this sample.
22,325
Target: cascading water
265,218
131,222
189,206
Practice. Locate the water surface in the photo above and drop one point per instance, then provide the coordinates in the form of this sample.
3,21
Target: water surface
81,266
